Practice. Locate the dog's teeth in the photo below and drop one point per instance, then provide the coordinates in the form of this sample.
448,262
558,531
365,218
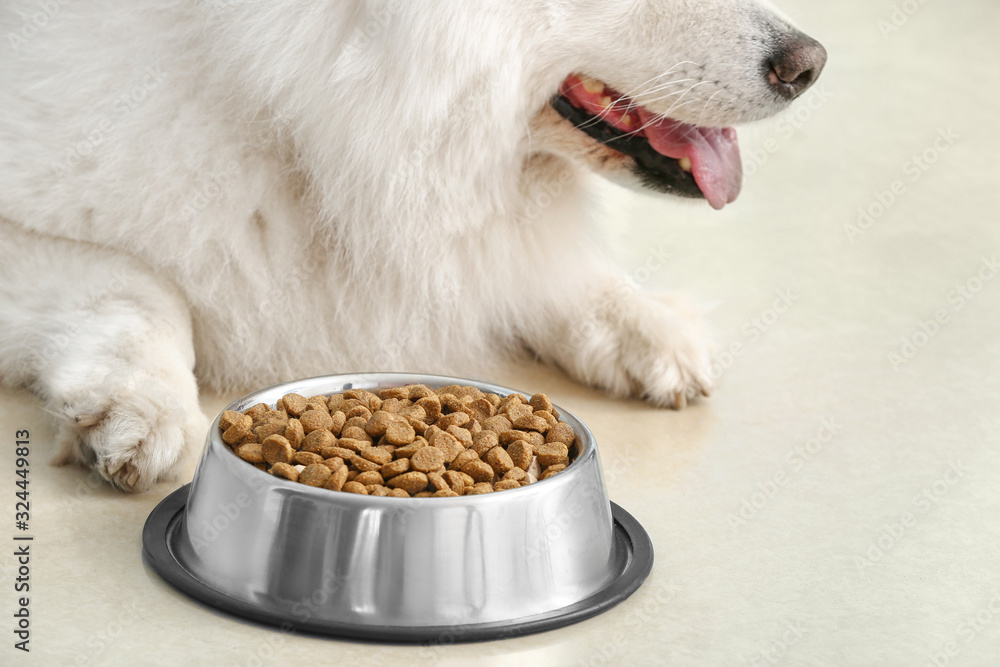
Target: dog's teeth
592,85
627,120
605,101
685,163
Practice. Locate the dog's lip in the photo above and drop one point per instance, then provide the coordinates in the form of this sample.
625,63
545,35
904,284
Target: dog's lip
711,154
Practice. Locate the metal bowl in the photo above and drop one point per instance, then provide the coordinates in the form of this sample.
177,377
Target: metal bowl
412,569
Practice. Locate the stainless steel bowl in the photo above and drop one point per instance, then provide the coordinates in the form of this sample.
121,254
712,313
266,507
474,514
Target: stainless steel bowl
506,563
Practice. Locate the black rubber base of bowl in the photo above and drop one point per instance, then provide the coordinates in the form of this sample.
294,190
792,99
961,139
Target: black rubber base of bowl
630,538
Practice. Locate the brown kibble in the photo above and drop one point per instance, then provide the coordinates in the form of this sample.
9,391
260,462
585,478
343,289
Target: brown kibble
276,449
455,480
540,402
453,419
306,458
294,404
533,438
520,453
361,411
464,457
484,441
399,393
378,423
516,474
399,433
250,452
337,479
352,444
431,406
414,411
515,411
285,470
549,418
398,493
419,425
376,455
561,432
257,411
444,493
481,487
448,444
362,464
333,463
393,468
552,453
294,433
499,460
239,429
354,487
418,391
313,420
481,409
505,484
315,475
377,490
407,451
411,482
339,419
267,429
318,440
427,459
338,452
551,470
532,423
355,433
479,471
463,435
436,481
370,477
230,417
498,424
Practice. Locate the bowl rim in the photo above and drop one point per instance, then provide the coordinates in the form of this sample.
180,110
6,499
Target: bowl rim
586,443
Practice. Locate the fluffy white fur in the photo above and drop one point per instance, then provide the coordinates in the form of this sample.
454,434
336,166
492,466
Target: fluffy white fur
251,192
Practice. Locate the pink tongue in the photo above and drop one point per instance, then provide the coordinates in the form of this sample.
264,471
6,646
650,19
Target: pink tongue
713,151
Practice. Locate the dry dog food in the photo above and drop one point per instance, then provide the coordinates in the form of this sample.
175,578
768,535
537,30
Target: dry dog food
412,441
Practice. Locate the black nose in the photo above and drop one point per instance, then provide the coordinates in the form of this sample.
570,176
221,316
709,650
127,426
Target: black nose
796,64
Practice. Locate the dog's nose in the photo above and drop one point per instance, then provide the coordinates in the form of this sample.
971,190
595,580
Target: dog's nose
795,66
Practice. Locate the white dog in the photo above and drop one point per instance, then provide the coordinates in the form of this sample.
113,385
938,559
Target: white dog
254,191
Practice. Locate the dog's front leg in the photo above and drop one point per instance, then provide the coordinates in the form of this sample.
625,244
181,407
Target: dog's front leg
591,318
107,346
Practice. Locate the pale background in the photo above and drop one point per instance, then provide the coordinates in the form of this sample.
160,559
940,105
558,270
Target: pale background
811,576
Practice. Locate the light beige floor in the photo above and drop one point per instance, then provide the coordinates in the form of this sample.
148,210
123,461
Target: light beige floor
824,445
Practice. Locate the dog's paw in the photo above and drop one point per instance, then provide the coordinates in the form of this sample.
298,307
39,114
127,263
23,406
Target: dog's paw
134,431
642,345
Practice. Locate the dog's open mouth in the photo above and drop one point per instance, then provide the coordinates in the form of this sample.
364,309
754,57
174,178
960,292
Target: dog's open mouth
671,156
